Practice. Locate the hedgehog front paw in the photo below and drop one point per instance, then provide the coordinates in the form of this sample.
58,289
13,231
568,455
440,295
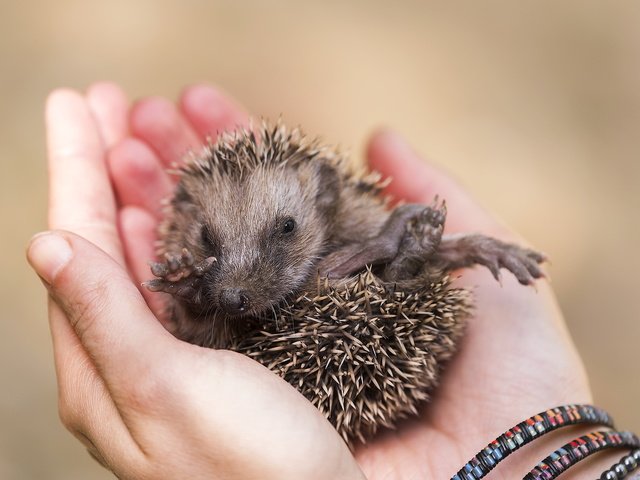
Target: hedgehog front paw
179,275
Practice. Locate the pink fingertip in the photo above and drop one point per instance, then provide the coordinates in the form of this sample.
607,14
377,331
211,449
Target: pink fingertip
138,229
151,111
211,111
109,90
133,157
109,105
138,176
392,156
62,95
416,180
157,122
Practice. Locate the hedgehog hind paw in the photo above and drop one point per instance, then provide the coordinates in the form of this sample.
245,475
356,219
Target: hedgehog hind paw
522,263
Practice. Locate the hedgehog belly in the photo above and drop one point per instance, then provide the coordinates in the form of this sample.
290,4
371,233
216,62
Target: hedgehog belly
364,352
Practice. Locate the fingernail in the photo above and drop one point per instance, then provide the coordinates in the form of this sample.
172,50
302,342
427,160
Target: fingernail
48,253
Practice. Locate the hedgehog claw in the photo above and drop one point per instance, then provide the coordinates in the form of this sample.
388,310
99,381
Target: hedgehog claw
179,275
468,250
494,268
436,213
204,266
187,258
158,269
173,263
154,285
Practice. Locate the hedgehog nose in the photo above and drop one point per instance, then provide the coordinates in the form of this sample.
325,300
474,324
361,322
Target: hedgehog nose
234,301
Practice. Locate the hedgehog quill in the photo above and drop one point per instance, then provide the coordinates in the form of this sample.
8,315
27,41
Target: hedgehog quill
274,246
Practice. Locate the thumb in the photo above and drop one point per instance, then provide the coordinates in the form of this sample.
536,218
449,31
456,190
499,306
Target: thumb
102,304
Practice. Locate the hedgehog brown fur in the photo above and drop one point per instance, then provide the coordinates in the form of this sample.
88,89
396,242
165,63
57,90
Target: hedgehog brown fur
275,247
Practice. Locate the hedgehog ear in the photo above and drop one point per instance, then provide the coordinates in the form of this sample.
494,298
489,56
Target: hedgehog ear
328,187
182,199
181,195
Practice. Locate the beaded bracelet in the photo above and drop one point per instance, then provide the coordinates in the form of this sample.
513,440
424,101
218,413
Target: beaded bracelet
579,449
525,432
624,467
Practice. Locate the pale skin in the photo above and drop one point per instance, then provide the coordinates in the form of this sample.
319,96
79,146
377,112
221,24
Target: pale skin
147,405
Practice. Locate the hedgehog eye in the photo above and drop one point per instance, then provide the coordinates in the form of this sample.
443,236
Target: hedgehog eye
207,238
288,226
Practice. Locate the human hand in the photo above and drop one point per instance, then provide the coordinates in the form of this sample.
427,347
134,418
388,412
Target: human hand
516,359
145,404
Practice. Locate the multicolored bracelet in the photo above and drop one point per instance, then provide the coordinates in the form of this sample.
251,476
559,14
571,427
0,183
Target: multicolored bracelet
627,464
525,432
579,449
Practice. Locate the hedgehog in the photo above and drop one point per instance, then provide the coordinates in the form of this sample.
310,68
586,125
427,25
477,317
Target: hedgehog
275,246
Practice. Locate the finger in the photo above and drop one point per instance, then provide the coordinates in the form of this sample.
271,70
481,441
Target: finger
157,122
110,108
80,195
415,180
211,111
138,229
105,309
138,176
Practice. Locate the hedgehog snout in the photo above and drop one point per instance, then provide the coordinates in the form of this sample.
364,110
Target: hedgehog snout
234,301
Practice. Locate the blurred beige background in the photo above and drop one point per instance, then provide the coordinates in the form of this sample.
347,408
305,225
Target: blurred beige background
534,105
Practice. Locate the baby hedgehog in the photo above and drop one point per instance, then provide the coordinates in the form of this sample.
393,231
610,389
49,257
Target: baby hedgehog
274,246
